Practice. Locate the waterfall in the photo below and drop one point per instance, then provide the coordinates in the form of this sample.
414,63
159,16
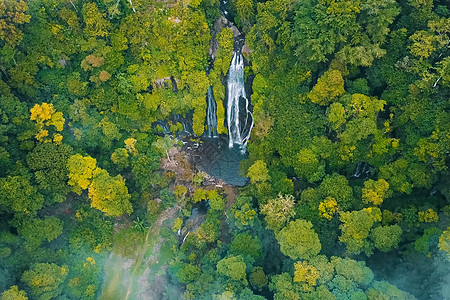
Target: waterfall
362,170
164,126
211,116
185,122
239,117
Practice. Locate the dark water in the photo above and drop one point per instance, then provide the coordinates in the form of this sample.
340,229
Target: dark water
213,157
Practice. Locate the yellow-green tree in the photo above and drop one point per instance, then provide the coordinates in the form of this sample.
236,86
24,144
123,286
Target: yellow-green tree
258,172
45,115
80,172
233,267
299,240
306,273
356,226
95,23
328,207
14,294
108,194
278,211
329,86
45,280
12,13
386,238
375,192
444,241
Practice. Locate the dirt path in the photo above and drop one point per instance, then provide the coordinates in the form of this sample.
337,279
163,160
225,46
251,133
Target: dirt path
128,278
153,232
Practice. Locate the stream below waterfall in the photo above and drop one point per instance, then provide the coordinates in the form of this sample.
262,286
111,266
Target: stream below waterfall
214,157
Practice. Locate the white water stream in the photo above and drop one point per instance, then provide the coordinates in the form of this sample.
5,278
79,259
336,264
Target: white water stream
211,115
239,117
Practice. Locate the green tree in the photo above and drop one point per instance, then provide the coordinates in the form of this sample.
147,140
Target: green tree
246,245
299,240
243,212
45,280
258,278
19,196
356,226
329,86
353,270
283,287
232,267
385,290
245,13
337,187
120,158
279,211
188,273
48,161
309,166
386,238
37,230
14,294
258,172
109,194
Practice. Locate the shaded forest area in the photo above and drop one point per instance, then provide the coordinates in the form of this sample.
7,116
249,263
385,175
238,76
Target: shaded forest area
348,194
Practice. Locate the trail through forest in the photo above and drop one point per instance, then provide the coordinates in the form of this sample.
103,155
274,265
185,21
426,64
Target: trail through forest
128,278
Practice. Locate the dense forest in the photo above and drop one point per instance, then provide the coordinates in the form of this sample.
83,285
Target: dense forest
348,193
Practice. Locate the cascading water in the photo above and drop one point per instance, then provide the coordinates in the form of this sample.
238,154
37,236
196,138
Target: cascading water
211,116
239,117
164,126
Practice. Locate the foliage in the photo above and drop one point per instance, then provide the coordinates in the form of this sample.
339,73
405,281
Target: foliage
278,211
258,172
243,212
187,273
109,194
36,231
246,245
329,86
386,238
14,294
19,196
375,192
356,226
258,278
305,273
233,267
299,240
444,241
81,171
328,208
45,280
